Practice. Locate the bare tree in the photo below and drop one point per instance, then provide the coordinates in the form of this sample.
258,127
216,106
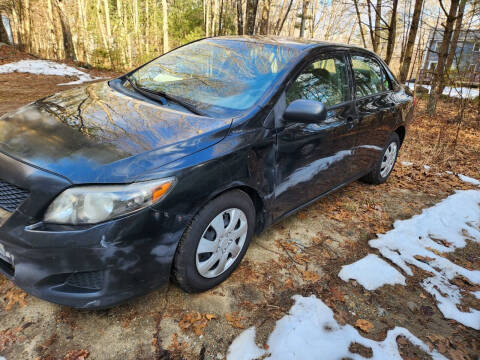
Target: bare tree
281,20
239,17
359,20
208,18
303,17
3,32
264,23
166,45
378,27
67,34
453,44
437,80
392,31
412,34
251,15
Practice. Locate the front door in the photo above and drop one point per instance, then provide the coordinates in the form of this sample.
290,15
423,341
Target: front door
317,157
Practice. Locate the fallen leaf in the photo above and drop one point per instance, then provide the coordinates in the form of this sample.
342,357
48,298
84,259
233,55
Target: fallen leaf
424,259
310,276
338,294
196,322
15,296
364,325
76,355
234,319
289,283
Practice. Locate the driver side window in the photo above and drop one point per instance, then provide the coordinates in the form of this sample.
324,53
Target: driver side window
324,80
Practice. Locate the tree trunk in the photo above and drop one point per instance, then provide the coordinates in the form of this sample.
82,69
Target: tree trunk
251,15
67,34
280,23
26,25
378,26
239,17
166,45
3,33
412,35
442,57
17,39
313,18
303,18
392,30
453,44
359,20
265,17
208,18
220,20
371,28
54,35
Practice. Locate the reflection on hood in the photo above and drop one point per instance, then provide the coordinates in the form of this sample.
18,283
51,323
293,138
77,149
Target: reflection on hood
92,126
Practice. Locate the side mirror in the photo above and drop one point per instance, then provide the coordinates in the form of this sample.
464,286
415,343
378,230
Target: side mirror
305,111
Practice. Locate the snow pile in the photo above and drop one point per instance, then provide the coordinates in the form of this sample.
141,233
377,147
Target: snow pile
468,179
420,241
44,67
458,92
310,331
372,272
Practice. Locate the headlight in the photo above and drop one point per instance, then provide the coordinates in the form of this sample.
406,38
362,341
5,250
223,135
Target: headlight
94,204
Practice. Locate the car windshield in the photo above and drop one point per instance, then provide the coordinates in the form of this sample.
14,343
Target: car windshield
219,76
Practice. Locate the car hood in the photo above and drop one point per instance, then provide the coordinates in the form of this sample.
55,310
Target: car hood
95,134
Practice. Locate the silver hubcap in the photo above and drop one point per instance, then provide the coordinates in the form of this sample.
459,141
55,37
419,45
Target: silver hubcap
221,242
388,159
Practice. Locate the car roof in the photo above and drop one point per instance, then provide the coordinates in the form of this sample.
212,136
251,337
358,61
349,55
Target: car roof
298,43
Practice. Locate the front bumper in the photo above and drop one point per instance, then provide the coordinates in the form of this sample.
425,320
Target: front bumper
94,267
82,266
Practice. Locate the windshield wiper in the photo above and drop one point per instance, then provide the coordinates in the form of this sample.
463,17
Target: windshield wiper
162,97
146,93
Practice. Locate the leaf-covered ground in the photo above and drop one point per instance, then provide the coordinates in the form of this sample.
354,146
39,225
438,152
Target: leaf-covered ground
301,255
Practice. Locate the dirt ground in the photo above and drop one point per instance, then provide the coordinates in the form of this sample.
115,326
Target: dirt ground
300,255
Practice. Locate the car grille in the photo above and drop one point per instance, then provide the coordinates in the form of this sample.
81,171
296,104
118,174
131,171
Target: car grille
11,196
92,280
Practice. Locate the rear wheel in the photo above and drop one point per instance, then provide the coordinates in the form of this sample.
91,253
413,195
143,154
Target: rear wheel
385,164
215,242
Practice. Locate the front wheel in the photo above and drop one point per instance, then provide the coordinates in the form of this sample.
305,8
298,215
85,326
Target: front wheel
215,242
385,164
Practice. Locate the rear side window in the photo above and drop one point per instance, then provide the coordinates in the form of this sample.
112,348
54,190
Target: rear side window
370,77
324,80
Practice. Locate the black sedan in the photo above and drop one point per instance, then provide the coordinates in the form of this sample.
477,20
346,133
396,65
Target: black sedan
110,190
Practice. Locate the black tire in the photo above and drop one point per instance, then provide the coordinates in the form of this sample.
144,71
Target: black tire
375,176
185,272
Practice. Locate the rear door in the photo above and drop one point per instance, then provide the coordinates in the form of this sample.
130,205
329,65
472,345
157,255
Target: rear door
375,107
314,158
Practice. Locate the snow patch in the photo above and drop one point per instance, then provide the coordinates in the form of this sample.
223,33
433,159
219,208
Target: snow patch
44,67
244,347
372,272
419,241
469,179
458,92
309,331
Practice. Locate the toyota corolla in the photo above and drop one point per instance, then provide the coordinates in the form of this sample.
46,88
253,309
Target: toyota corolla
112,189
